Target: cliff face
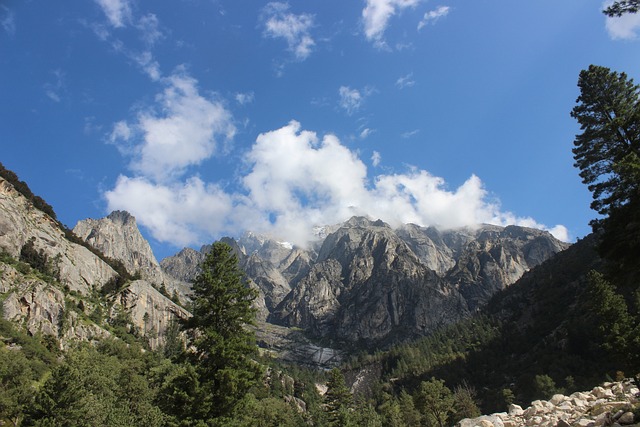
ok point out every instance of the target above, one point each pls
(20, 222)
(118, 237)
(70, 308)
(370, 284)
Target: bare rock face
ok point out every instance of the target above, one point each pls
(183, 265)
(497, 257)
(368, 286)
(150, 311)
(20, 222)
(118, 237)
(41, 307)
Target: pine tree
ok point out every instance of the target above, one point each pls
(608, 112)
(224, 346)
(435, 401)
(338, 399)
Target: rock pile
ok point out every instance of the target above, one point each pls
(612, 404)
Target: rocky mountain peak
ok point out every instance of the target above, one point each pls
(117, 236)
(122, 218)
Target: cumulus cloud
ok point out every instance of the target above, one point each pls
(434, 15)
(182, 130)
(294, 29)
(625, 27)
(180, 213)
(376, 15)
(296, 180)
(118, 12)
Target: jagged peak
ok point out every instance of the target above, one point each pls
(121, 217)
(362, 221)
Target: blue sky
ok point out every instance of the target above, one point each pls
(207, 118)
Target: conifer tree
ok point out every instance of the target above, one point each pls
(338, 399)
(606, 151)
(224, 346)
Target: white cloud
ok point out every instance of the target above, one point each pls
(54, 89)
(376, 158)
(410, 133)
(279, 23)
(433, 16)
(182, 131)
(405, 81)
(149, 65)
(149, 26)
(118, 12)
(244, 98)
(180, 213)
(351, 100)
(7, 20)
(377, 13)
(295, 181)
(625, 27)
(366, 132)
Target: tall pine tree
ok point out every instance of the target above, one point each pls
(224, 346)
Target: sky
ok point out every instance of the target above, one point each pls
(209, 118)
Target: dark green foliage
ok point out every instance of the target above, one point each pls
(338, 399)
(544, 387)
(465, 403)
(435, 402)
(224, 347)
(39, 261)
(96, 388)
(619, 8)
(16, 385)
(608, 112)
(24, 189)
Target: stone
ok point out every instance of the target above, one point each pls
(557, 399)
(626, 418)
(515, 410)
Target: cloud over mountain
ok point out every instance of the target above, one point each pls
(296, 180)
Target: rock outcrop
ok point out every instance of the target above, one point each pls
(118, 237)
(370, 284)
(612, 404)
(79, 268)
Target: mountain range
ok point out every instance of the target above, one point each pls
(362, 284)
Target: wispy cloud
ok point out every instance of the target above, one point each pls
(7, 20)
(625, 27)
(405, 81)
(54, 89)
(351, 100)
(294, 29)
(244, 98)
(366, 132)
(410, 133)
(149, 27)
(376, 15)
(434, 15)
(376, 158)
(118, 12)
